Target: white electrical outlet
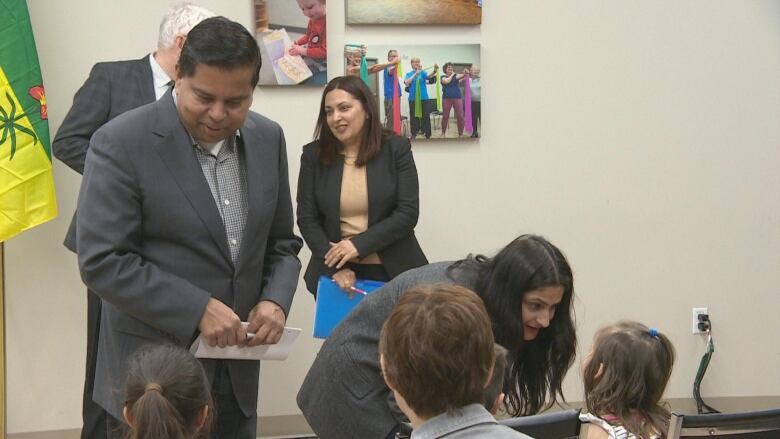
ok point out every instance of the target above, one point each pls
(696, 313)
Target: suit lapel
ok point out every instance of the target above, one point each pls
(260, 176)
(145, 80)
(333, 192)
(372, 182)
(175, 150)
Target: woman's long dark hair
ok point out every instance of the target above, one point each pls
(373, 132)
(166, 390)
(534, 378)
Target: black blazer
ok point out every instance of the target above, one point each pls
(393, 209)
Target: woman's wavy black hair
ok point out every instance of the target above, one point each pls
(537, 368)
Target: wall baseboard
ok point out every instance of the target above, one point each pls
(730, 404)
(268, 427)
(282, 427)
(295, 426)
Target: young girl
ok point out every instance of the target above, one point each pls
(624, 376)
(313, 45)
(167, 395)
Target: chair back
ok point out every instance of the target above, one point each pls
(556, 425)
(764, 424)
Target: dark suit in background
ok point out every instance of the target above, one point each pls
(393, 201)
(111, 89)
(153, 245)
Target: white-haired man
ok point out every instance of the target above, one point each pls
(111, 89)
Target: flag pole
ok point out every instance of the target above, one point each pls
(2, 342)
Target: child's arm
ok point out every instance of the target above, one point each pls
(302, 40)
(316, 52)
(297, 47)
(311, 52)
(297, 50)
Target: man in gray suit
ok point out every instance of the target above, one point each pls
(112, 89)
(185, 224)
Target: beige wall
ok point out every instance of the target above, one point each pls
(641, 137)
(286, 13)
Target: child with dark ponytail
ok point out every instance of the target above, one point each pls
(625, 375)
(167, 395)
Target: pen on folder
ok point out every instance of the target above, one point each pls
(358, 290)
(354, 290)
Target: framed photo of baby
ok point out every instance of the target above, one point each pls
(422, 91)
(293, 41)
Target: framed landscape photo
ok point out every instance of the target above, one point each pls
(414, 11)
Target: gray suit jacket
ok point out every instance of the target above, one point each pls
(344, 395)
(470, 422)
(111, 89)
(153, 246)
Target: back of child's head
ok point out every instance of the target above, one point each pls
(626, 375)
(167, 394)
(494, 392)
(437, 348)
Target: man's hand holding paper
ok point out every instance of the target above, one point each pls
(220, 326)
(266, 321)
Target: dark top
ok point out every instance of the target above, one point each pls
(393, 209)
(451, 90)
(111, 89)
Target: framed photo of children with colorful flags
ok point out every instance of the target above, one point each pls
(423, 91)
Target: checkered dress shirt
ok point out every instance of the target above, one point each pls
(226, 175)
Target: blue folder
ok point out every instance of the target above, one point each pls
(333, 303)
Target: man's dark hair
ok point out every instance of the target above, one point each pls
(219, 42)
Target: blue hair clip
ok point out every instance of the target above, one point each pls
(653, 332)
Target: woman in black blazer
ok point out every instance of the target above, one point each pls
(358, 199)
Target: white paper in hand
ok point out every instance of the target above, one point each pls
(278, 351)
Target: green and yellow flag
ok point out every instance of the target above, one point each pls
(26, 182)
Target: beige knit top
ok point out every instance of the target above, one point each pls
(354, 206)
